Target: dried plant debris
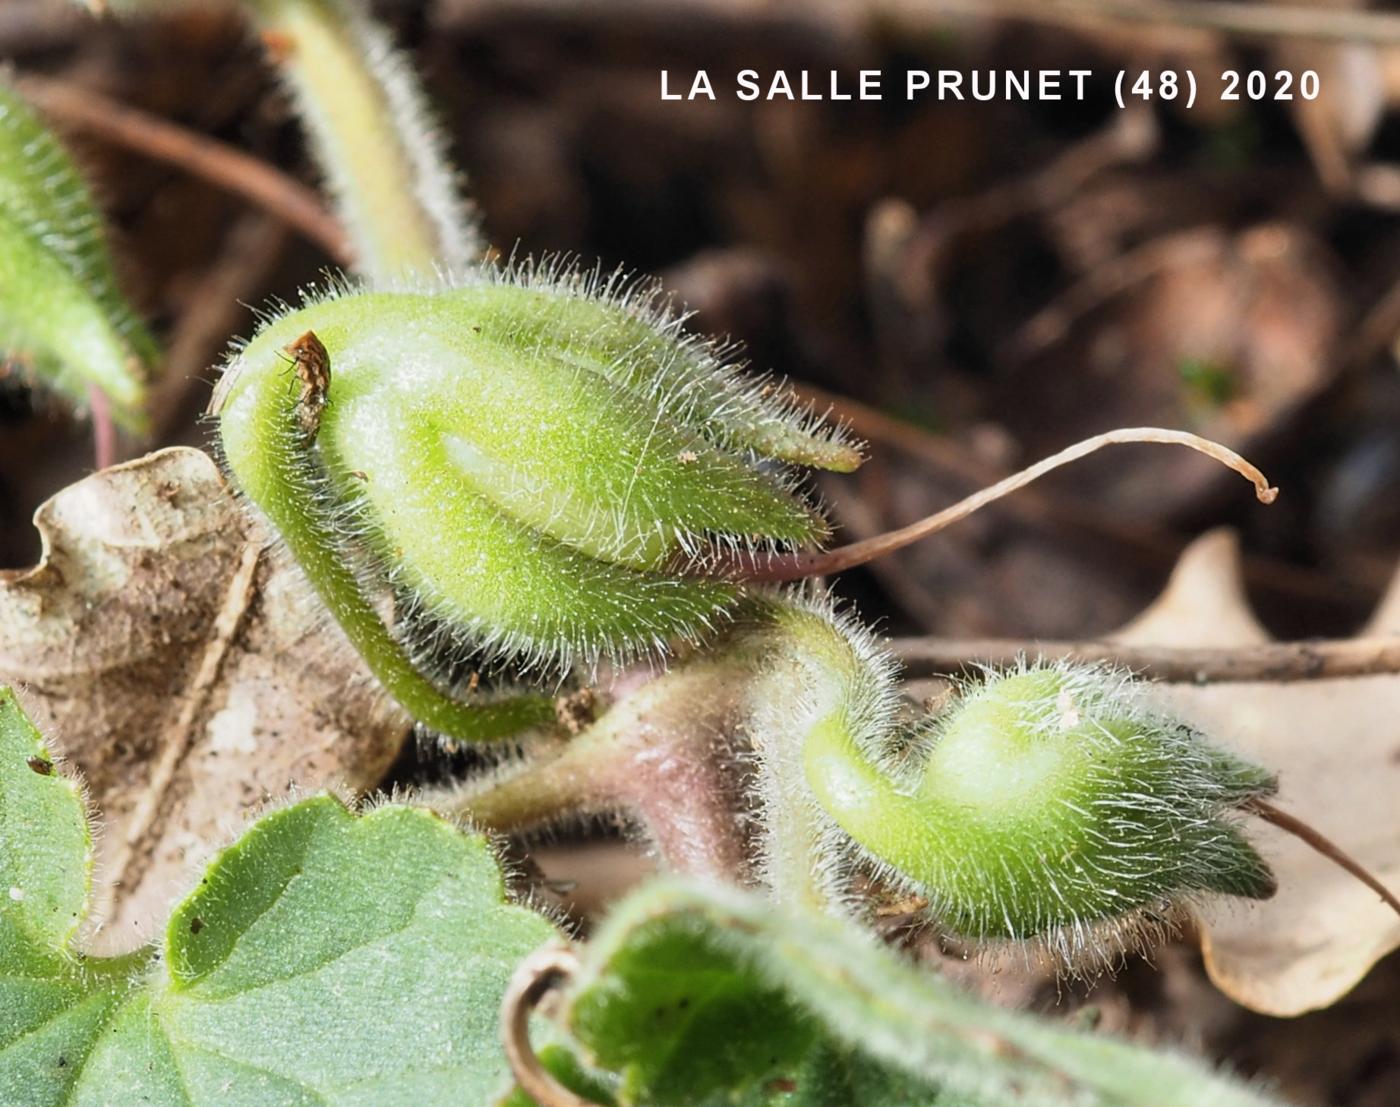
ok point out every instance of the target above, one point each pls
(1335, 746)
(184, 667)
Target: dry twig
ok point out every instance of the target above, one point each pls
(1227, 17)
(537, 975)
(214, 307)
(1331, 23)
(1329, 849)
(772, 568)
(1269, 662)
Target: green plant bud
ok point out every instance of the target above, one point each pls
(528, 464)
(1046, 801)
(644, 348)
(61, 312)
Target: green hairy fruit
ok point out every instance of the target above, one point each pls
(533, 463)
(1043, 802)
(61, 313)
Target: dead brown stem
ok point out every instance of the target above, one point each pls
(773, 568)
(538, 974)
(1272, 662)
(1290, 824)
(221, 165)
(1231, 17)
(1048, 510)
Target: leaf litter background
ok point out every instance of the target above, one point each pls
(1005, 277)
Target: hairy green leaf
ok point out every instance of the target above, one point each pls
(62, 315)
(324, 958)
(696, 995)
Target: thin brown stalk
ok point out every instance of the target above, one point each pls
(763, 568)
(1329, 23)
(223, 166)
(1291, 824)
(1272, 662)
(537, 975)
(216, 306)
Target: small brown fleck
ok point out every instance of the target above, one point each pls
(575, 712)
(41, 765)
(473, 681)
(196, 925)
(360, 475)
(935, 703)
(905, 905)
(313, 366)
(781, 1084)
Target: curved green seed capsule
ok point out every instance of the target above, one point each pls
(513, 492)
(61, 312)
(1045, 802)
(630, 335)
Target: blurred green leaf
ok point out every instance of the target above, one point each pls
(696, 995)
(62, 314)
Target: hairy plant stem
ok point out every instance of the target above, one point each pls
(370, 129)
(663, 754)
(286, 481)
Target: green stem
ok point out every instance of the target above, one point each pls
(373, 135)
(278, 472)
(663, 755)
(860, 798)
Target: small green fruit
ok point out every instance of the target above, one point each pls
(1046, 801)
(532, 463)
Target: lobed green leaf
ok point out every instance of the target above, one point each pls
(324, 958)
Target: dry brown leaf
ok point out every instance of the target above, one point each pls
(1335, 745)
(184, 668)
